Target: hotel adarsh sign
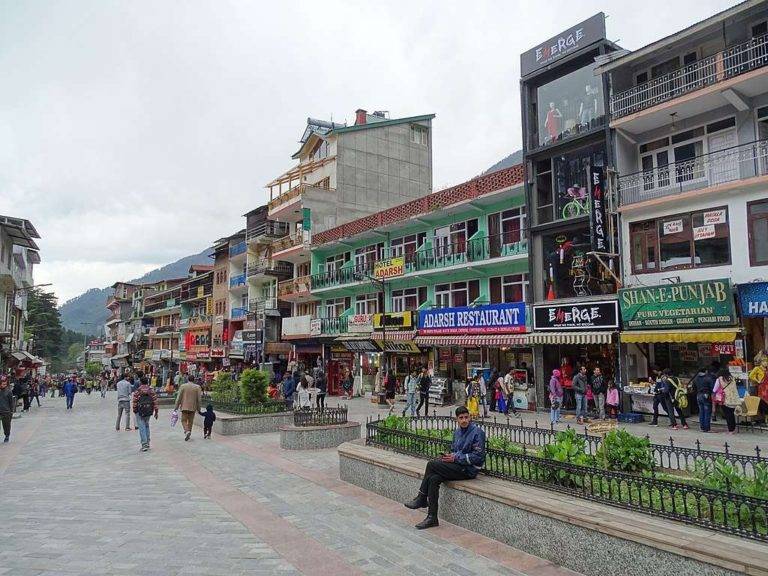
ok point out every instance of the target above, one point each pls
(389, 268)
(688, 305)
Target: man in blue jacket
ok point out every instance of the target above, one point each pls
(465, 460)
(70, 389)
(289, 387)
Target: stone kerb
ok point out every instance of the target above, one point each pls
(588, 537)
(317, 437)
(233, 424)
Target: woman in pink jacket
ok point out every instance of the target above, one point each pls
(555, 396)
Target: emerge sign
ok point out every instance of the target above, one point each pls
(583, 34)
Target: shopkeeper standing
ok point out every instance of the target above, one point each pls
(424, 384)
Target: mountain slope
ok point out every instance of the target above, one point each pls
(89, 306)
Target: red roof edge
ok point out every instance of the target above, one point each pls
(468, 190)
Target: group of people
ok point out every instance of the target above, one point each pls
(603, 392)
(296, 389)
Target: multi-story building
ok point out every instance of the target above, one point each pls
(162, 316)
(573, 232)
(428, 264)
(343, 173)
(230, 296)
(18, 255)
(196, 317)
(689, 115)
(120, 325)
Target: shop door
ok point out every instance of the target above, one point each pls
(723, 163)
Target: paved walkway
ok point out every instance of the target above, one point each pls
(79, 498)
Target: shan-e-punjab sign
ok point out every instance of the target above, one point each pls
(708, 303)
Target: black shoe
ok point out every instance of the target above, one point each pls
(7, 438)
(428, 522)
(419, 502)
(187, 436)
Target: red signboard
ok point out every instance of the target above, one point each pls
(724, 349)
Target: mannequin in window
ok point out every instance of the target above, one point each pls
(588, 107)
(553, 122)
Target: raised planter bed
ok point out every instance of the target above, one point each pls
(582, 535)
(232, 424)
(318, 437)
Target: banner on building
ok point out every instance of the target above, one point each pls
(708, 303)
(599, 229)
(400, 346)
(394, 320)
(360, 323)
(491, 318)
(602, 315)
(753, 299)
(389, 268)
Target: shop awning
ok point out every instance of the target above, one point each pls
(24, 356)
(128, 338)
(701, 335)
(595, 337)
(398, 335)
(474, 340)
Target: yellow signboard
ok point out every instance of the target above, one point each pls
(389, 268)
(401, 346)
(394, 320)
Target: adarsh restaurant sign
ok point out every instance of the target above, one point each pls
(688, 305)
(494, 318)
(583, 34)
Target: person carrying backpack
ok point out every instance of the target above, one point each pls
(144, 406)
(678, 396)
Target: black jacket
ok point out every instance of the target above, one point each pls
(7, 401)
(704, 383)
(598, 385)
(424, 383)
(580, 383)
(209, 418)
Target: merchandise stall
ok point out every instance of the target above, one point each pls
(396, 338)
(567, 336)
(683, 327)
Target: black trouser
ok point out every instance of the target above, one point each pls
(679, 412)
(435, 474)
(423, 400)
(493, 401)
(35, 397)
(511, 404)
(320, 401)
(730, 417)
(25, 399)
(663, 401)
(6, 419)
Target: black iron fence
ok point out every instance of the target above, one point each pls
(236, 407)
(666, 456)
(324, 417)
(722, 510)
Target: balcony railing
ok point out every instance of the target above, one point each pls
(292, 193)
(237, 249)
(154, 307)
(260, 305)
(236, 281)
(200, 321)
(294, 287)
(279, 269)
(166, 329)
(727, 165)
(334, 326)
(267, 231)
(722, 66)
(475, 250)
(291, 241)
(238, 313)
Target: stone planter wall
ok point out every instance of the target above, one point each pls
(232, 424)
(317, 437)
(590, 538)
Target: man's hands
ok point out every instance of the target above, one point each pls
(448, 458)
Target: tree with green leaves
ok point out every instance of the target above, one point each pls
(43, 325)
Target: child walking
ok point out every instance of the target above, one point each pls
(612, 400)
(209, 418)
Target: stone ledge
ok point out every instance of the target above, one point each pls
(232, 424)
(317, 437)
(629, 534)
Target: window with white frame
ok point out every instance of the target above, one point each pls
(408, 299)
(367, 303)
(453, 239)
(334, 263)
(510, 288)
(419, 134)
(507, 226)
(335, 307)
(456, 294)
(366, 256)
(406, 245)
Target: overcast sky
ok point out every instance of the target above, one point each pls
(134, 133)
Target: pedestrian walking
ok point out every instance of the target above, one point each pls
(348, 383)
(189, 399)
(289, 388)
(661, 397)
(492, 385)
(612, 400)
(7, 406)
(555, 396)
(321, 383)
(411, 385)
(144, 407)
(726, 395)
(103, 384)
(70, 389)
(678, 396)
(390, 386)
(23, 393)
(704, 384)
(124, 403)
(465, 460)
(598, 391)
(209, 417)
(34, 392)
(424, 383)
(580, 384)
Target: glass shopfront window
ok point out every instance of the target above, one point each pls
(569, 272)
(562, 187)
(569, 105)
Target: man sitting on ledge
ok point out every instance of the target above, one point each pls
(463, 463)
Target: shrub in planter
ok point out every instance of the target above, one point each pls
(224, 389)
(253, 386)
(623, 451)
